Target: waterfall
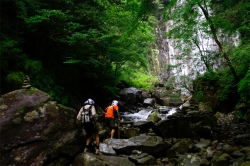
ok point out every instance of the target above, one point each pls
(189, 60)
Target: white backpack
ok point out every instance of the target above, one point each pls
(86, 115)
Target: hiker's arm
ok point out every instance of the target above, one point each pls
(117, 115)
(78, 118)
(94, 114)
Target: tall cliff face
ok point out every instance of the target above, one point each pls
(194, 55)
(165, 56)
(163, 52)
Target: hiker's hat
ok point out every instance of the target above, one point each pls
(114, 102)
(89, 101)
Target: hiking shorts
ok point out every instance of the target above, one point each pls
(90, 128)
(110, 123)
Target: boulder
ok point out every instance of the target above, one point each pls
(36, 130)
(89, 159)
(180, 126)
(145, 143)
(131, 95)
(142, 159)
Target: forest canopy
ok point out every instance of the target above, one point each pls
(72, 49)
(76, 49)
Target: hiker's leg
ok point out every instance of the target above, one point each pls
(88, 140)
(86, 149)
(112, 133)
(112, 126)
(97, 139)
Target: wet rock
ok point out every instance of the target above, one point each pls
(242, 139)
(142, 159)
(136, 152)
(203, 143)
(154, 117)
(28, 138)
(191, 159)
(144, 125)
(131, 132)
(223, 159)
(186, 127)
(26, 83)
(246, 163)
(89, 159)
(145, 143)
(237, 154)
(131, 95)
(227, 149)
(107, 149)
(180, 147)
(149, 102)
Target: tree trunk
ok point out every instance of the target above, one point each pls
(213, 30)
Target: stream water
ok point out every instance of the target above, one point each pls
(143, 114)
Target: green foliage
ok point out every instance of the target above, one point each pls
(138, 79)
(192, 24)
(110, 90)
(58, 94)
(240, 114)
(210, 77)
(15, 78)
(21, 110)
(199, 96)
(30, 92)
(227, 85)
(45, 82)
(11, 55)
(68, 48)
(32, 65)
(219, 85)
(187, 84)
(236, 14)
(241, 59)
(244, 88)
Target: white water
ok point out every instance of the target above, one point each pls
(142, 115)
(139, 116)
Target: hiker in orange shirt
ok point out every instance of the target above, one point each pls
(111, 116)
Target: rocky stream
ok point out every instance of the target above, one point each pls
(36, 130)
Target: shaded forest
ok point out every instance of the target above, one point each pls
(75, 49)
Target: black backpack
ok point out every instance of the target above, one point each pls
(86, 115)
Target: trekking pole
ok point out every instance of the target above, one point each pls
(118, 124)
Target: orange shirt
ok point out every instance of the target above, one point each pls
(110, 111)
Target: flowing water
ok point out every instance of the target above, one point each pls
(143, 114)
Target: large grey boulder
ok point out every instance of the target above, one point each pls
(145, 143)
(186, 126)
(35, 130)
(90, 159)
(142, 159)
(131, 95)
